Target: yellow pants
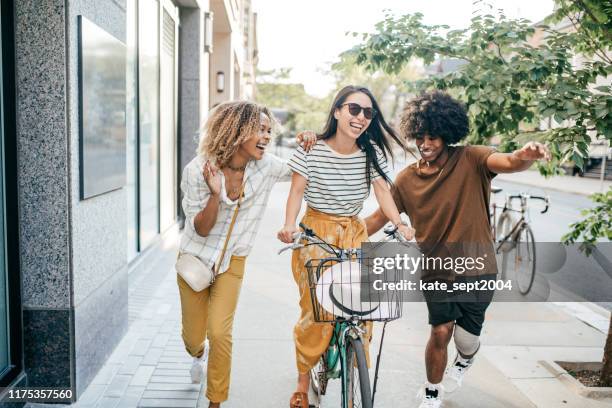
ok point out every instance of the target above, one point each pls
(211, 313)
(311, 338)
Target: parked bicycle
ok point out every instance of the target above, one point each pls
(514, 238)
(335, 284)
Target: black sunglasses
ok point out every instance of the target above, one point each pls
(354, 109)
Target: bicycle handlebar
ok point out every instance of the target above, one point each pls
(533, 197)
(309, 236)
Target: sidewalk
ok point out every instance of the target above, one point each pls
(151, 369)
(568, 184)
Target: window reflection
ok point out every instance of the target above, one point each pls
(149, 120)
(131, 118)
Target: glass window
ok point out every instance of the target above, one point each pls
(4, 317)
(132, 131)
(168, 142)
(148, 24)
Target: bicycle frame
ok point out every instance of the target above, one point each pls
(508, 208)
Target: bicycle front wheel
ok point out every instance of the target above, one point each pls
(356, 391)
(523, 259)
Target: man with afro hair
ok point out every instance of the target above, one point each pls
(446, 196)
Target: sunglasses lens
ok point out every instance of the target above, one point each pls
(368, 113)
(354, 109)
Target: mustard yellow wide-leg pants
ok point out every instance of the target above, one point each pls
(211, 313)
(311, 338)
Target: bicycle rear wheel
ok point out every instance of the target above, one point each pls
(356, 390)
(522, 259)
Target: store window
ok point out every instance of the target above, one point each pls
(152, 32)
(4, 304)
(148, 103)
(132, 131)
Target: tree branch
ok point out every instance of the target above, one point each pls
(591, 41)
(586, 10)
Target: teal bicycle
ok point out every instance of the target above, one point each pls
(331, 280)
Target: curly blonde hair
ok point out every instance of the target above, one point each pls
(229, 125)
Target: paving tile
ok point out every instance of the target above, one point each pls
(150, 394)
(131, 397)
(161, 340)
(106, 374)
(131, 365)
(172, 373)
(140, 347)
(91, 395)
(174, 366)
(174, 387)
(168, 403)
(170, 380)
(108, 402)
(185, 359)
(142, 376)
(172, 353)
(118, 386)
(163, 309)
(152, 357)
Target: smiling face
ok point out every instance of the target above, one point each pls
(348, 124)
(430, 147)
(255, 147)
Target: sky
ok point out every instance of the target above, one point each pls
(308, 35)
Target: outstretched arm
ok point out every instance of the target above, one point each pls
(518, 160)
(294, 203)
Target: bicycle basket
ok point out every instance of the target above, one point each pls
(340, 291)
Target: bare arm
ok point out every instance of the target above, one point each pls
(387, 205)
(385, 200)
(205, 220)
(294, 204)
(375, 221)
(519, 160)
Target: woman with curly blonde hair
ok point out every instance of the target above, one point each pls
(225, 187)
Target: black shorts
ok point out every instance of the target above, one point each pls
(469, 315)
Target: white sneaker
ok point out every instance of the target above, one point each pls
(429, 400)
(453, 376)
(198, 366)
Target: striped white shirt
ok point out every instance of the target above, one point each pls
(336, 182)
(260, 176)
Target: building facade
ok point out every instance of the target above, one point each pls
(66, 259)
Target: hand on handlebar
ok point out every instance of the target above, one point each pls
(406, 232)
(287, 234)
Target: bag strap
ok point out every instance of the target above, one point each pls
(229, 232)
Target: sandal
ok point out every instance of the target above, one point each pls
(299, 400)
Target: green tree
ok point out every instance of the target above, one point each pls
(510, 86)
(275, 91)
(519, 81)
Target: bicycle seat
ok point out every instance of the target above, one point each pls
(496, 190)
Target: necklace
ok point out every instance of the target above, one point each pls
(242, 168)
(440, 170)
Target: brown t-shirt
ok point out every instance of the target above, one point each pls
(450, 208)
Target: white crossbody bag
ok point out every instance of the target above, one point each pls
(193, 271)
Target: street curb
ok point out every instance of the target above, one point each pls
(576, 386)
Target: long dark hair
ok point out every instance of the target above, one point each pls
(378, 131)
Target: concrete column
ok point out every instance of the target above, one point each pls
(73, 253)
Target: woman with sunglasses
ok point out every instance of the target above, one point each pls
(335, 177)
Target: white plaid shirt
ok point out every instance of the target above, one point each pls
(260, 176)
